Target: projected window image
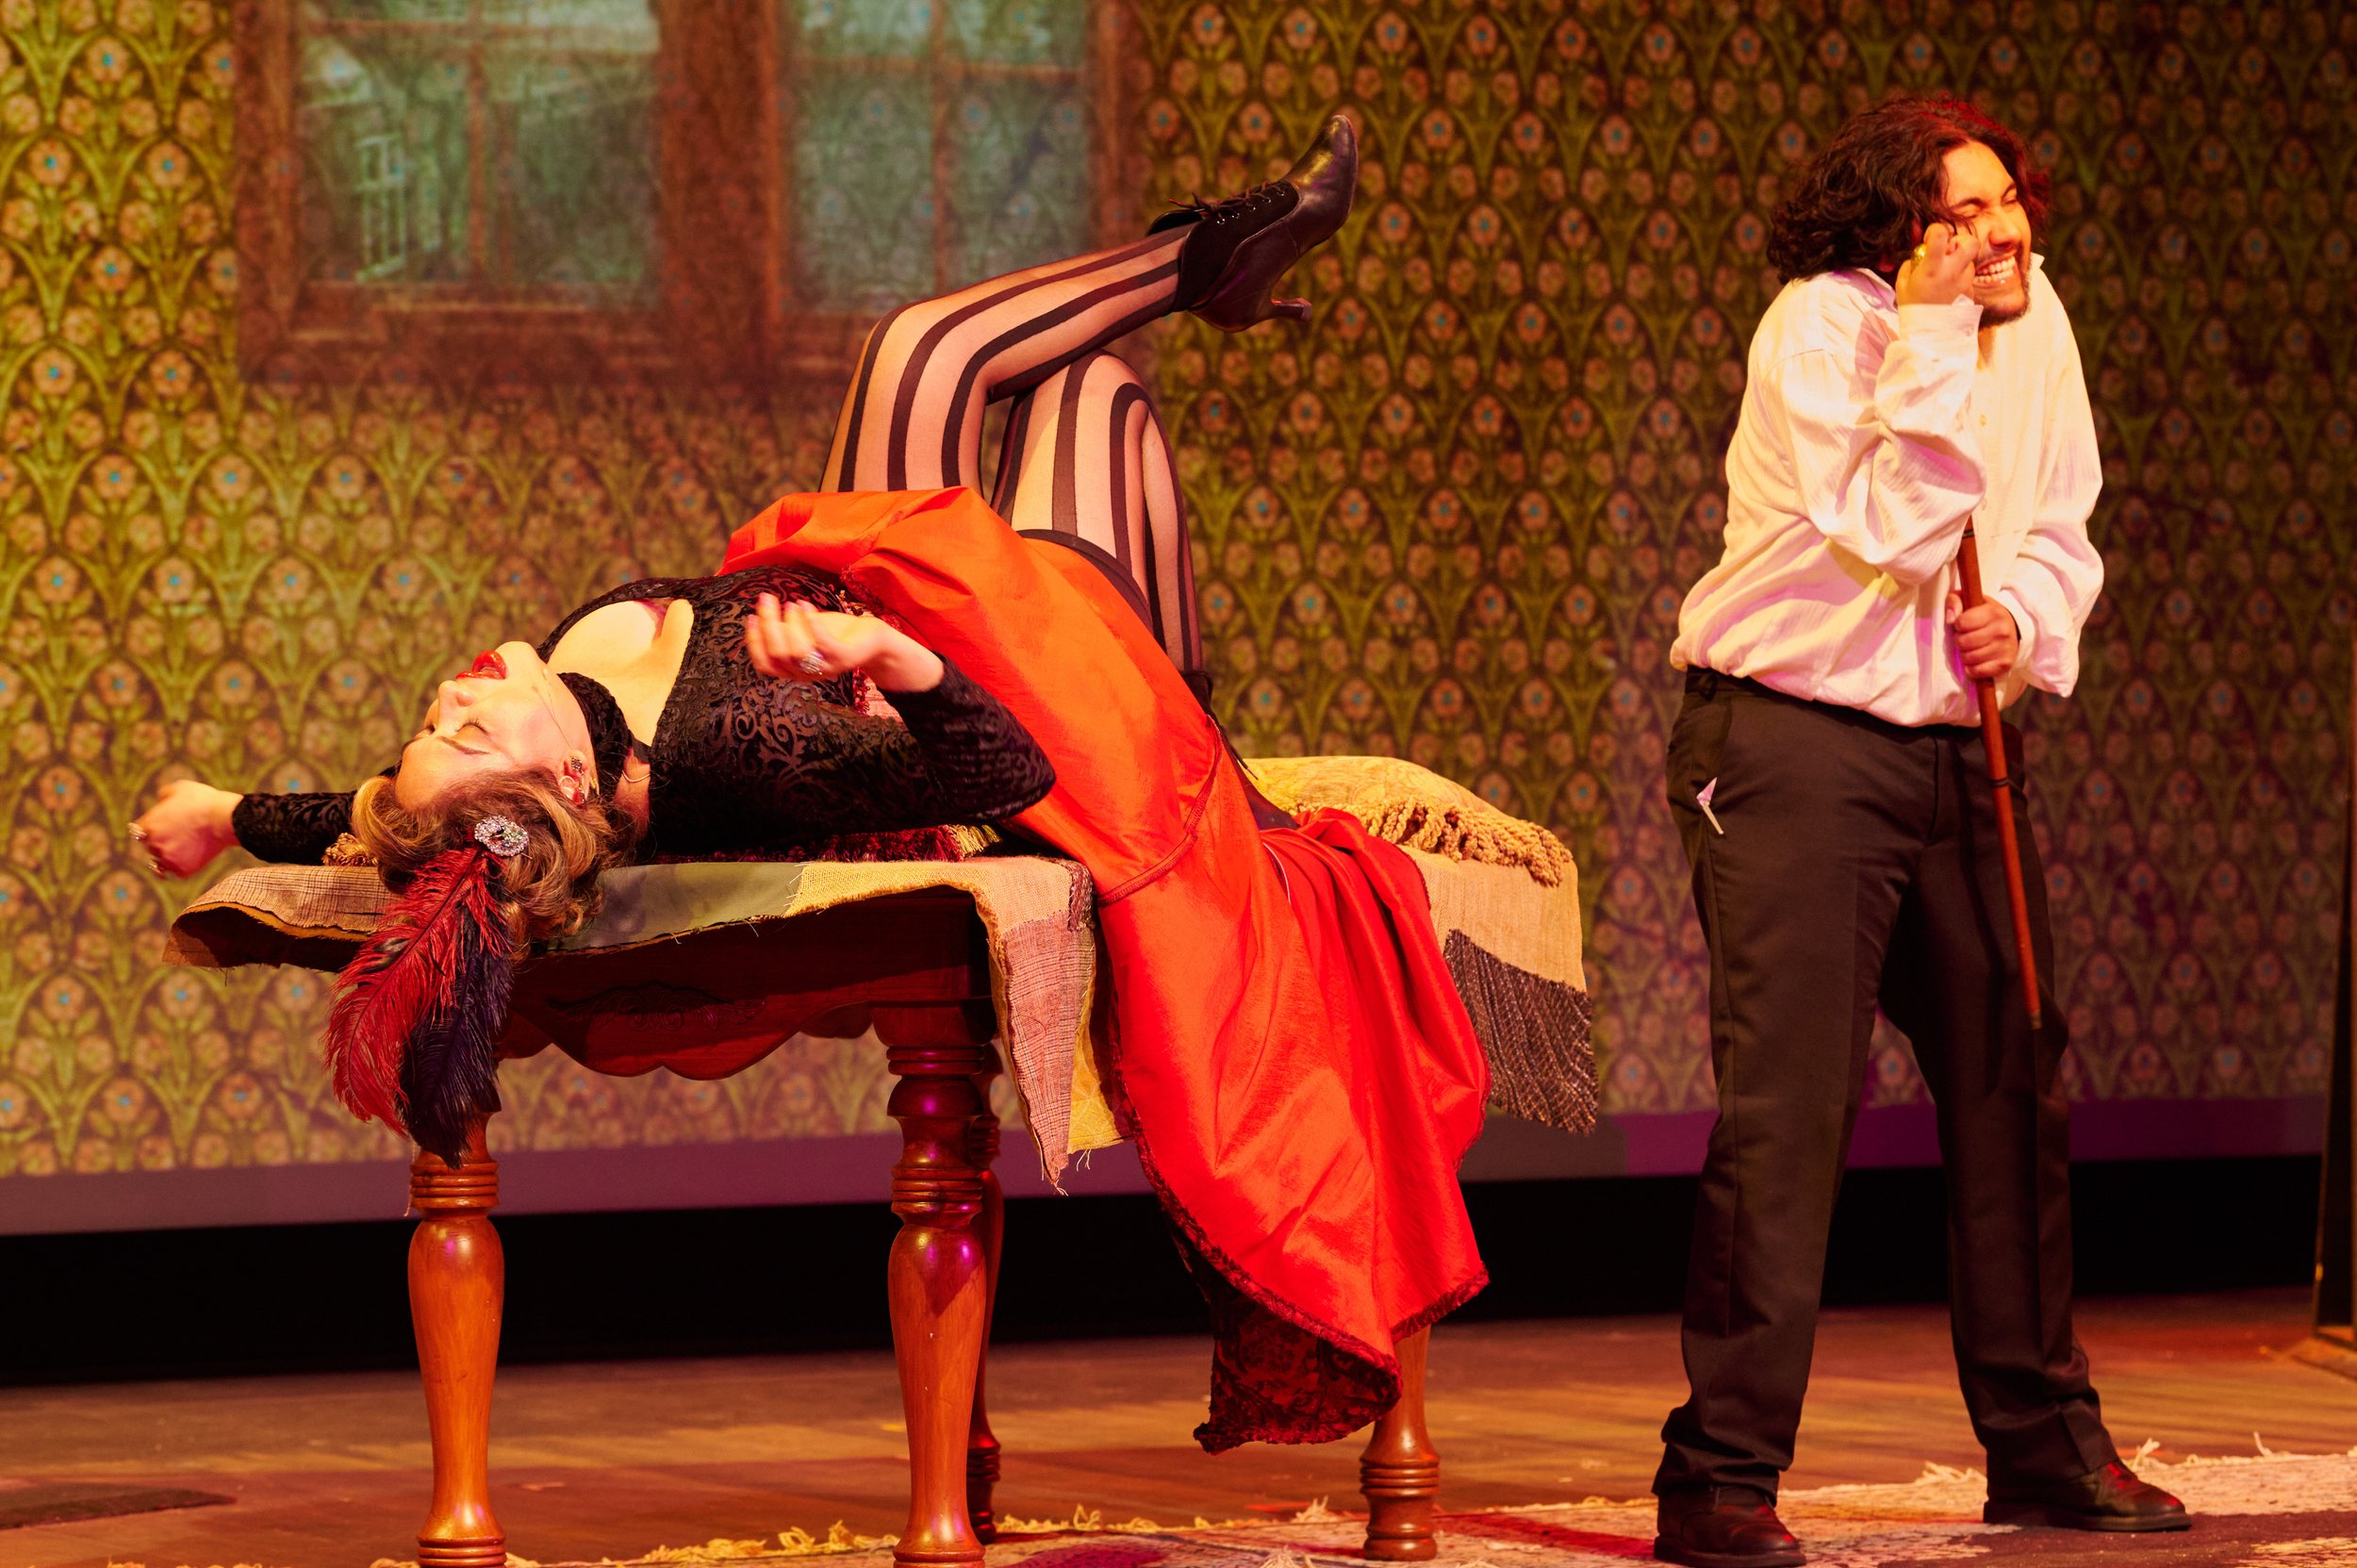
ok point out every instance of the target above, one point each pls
(528, 152)
(934, 142)
(504, 144)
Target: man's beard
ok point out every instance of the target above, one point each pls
(1999, 312)
(1997, 316)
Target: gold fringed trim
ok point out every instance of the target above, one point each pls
(972, 838)
(1416, 809)
(1487, 836)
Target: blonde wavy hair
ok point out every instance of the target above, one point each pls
(547, 891)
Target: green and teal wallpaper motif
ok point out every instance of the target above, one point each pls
(1452, 520)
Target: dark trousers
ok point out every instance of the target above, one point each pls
(1858, 864)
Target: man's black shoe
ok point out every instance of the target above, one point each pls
(2111, 1499)
(1723, 1528)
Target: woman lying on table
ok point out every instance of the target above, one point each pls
(1299, 1073)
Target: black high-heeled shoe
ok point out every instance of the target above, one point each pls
(1242, 246)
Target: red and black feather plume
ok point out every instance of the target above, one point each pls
(413, 1038)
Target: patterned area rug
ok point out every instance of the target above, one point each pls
(2270, 1510)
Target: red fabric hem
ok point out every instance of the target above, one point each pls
(1217, 1437)
(1317, 980)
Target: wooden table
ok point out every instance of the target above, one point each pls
(916, 967)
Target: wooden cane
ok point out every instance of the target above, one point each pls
(1994, 742)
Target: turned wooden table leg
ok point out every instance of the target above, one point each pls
(1399, 1474)
(938, 1279)
(457, 1284)
(981, 1445)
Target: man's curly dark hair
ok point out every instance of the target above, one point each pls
(1858, 201)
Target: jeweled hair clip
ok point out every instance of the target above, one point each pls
(501, 836)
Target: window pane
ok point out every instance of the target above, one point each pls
(885, 213)
(1021, 188)
(577, 187)
(627, 25)
(1020, 32)
(864, 205)
(562, 90)
(386, 11)
(631, 18)
(384, 128)
(889, 29)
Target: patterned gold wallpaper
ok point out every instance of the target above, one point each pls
(1453, 519)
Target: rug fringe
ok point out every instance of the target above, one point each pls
(1085, 1520)
(2278, 1485)
(795, 1542)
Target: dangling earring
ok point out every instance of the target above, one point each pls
(573, 783)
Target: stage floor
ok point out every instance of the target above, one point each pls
(616, 1459)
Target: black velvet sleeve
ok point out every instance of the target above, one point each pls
(977, 758)
(778, 766)
(294, 829)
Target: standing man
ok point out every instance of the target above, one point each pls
(1916, 373)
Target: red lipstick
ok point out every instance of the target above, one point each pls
(489, 664)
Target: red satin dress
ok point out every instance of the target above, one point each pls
(1299, 1075)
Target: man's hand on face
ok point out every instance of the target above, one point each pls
(1941, 269)
(1986, 635)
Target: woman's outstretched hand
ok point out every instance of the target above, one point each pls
(186, 828)
(798, 642)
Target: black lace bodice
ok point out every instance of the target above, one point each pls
(744, 763)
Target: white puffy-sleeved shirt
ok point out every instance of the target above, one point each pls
(1870, 435)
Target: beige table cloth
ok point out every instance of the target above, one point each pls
(1507, 923)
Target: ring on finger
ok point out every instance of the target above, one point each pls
(813, 663)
